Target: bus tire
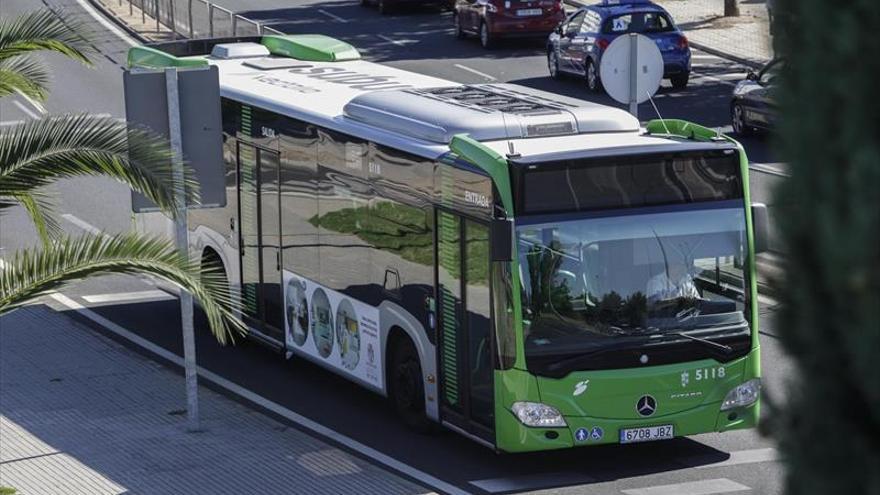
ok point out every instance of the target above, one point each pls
(406, 387)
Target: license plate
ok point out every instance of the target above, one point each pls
(528, 12)
(646, 434)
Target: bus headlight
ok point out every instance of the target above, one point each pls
(744, 394)
(536, 414)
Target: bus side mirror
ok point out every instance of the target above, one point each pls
(761, 226)
(501, 239)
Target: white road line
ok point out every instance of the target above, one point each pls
(703, 487)
(532, 482)
(83, 224)
(107, 24)
(275, 408)
(396, 42)
(746, 457)
(7, 123)
(333, 16)
(27, 111)
(2, 264)
(718, 79)
(766, 301)
(128, 296)
(475, 71)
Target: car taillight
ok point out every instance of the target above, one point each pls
(682, 42)
(602, 43)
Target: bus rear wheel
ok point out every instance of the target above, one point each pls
(406, 387)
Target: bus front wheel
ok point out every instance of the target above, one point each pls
(406, 387)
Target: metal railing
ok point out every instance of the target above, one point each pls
(196, 19)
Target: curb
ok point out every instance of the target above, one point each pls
(119, 22)
(733, 58)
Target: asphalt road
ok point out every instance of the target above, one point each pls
(419, 41)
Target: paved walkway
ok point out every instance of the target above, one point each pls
(745, 38)
(82, 415)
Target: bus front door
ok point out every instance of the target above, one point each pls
(259, 225)
(466, 361)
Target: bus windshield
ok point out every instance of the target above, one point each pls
(636, 274)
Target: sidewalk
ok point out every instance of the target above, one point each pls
(82, 415)
(744, 39)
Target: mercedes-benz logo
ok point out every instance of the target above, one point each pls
(646, 405)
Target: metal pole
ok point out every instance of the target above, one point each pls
(633, 74)
(186, 301)
(234, 23)
(189, 15)
(130, 8)
(173, 25)
(143, 14)
(156, 11)
(210, 19)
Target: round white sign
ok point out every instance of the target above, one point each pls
(617, 63)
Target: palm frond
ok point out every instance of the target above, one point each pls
(44, 30)
(26, 76)
(33, 273)
(42, 214)
(38, 152)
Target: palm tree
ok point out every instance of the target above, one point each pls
(36, 153)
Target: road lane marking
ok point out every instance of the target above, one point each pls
(2, 264)
(106, 23)
(732, 82)
(365, 451)
(333, 16)
(703, 487)
(128, 296)
(475, 71)
(532, 482)
(745, 457)
(402, 43)
(27, 111)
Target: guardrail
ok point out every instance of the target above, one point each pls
(196, 19)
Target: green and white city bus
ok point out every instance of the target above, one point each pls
(532, 271)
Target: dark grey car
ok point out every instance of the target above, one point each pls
(753, 106)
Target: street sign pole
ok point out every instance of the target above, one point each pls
(182, 242)
(633, 74)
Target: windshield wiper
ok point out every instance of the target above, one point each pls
(726, 348)
(571, 361)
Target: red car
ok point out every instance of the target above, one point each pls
(494, 19)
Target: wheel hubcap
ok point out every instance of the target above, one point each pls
(591, 75)
(737, 119)
(551, 62)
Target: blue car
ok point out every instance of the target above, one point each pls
(577, 44)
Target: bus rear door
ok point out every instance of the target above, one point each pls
(259, 225)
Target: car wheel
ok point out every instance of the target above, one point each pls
(406, 387)
(680, 81)
(738, 120)
(486, 38)
(594, 83)
(456, 22)
(553, 64)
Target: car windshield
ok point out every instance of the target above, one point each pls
(638, 22)
(599, 281)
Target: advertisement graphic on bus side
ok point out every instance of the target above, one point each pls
(331, 326)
